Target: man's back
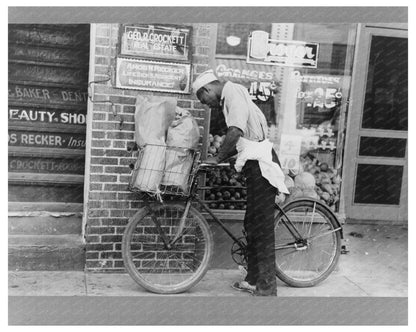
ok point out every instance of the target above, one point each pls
(241, 112)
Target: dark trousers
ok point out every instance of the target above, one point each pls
(259, 227)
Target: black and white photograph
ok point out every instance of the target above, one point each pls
(208, 165)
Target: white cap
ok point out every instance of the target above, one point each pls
(203, 79)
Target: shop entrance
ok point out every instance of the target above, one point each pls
(375, 181)
(47, 107)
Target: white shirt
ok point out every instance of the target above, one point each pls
(240, 111)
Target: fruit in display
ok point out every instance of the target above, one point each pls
(314, 179)
(304, 180)
(327, 181)
(228, 186)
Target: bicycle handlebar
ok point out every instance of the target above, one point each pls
(214, 165)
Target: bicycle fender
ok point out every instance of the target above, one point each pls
(323, 205)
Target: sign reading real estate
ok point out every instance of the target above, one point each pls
(288, 53)
(153, 76)
(156, 41)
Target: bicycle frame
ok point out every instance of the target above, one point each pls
(193, 197)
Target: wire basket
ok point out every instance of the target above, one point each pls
(161, 169)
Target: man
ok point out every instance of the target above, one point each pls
(245, 121)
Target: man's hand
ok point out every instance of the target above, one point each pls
(232, 163)
(211, 160)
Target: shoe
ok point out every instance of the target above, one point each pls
(244, 286)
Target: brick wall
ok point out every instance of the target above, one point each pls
(109, 203)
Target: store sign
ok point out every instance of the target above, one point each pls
(289, 53)
(322, 92)
(259, 81)
(45, 165)
(46, 95)
(36, 114)
(243, 73)
(156, 41)
(48, 140)
(289, 151)
(318, 96)
(153, 76)
(31, 72)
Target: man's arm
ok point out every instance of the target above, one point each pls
(228, 147)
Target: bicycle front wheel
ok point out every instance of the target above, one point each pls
(155, 260)
(307, 248)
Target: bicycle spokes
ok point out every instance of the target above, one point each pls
(166, 249)
(307, 243)
(239, 251)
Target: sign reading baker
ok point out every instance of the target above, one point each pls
(287, 53)
(156, 41)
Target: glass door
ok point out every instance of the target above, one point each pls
(375, 181)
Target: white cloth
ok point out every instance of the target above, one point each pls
(261, 151)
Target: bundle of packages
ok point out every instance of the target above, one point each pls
(152, 119)
(182, 139)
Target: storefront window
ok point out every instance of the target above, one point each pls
(312, 111)
(299, 75)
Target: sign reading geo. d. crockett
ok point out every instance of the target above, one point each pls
(287, 53)
(156, 41)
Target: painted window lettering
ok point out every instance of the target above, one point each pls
(12, 138)
(43, 165)
(76, 142)
(74, 96)
(320, 97)
(298, 51)
(45, 116)
(35, 93)
(260, 91)
(224, 71)
(73, 118)
(31, 115)
(41, 139)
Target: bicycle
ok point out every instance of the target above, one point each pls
(167, 245)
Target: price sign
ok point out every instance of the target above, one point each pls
(289, 151)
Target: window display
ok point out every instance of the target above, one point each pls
(305, 105)
(312, 112)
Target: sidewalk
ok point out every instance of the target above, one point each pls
(375, 266)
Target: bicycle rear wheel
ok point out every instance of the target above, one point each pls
(307, 261)
(155, 265)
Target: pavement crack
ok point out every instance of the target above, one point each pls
(355, 284)
(85, 284)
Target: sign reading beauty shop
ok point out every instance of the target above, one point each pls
(289, 53)
(156, 41)
(153, 76)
